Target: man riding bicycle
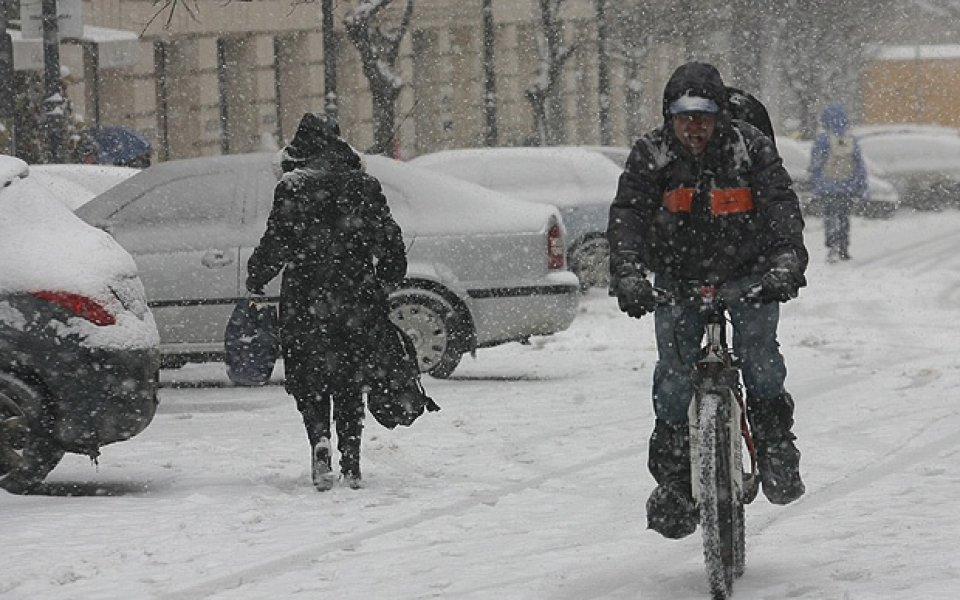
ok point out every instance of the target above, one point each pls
(705, 198)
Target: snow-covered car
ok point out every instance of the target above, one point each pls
(579, 182)
(884, 198)
(923, 165)
(482, 269)
(74, 185)
(617, 154)
(79, 349)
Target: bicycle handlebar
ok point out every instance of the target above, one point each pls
(694, 291)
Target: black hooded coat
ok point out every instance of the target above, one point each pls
(331, 233)
(715, 217)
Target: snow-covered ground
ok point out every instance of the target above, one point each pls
(530, 483)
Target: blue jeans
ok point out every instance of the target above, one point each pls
(836, 222)
(679, 331)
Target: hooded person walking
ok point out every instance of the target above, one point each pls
(838, 177)
(331, 233)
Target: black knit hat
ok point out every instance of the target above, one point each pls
(315, 129)
(317, 135)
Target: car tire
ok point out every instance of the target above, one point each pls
(432, 323)
(27, 453)
(590, 262)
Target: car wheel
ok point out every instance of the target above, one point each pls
(590, 261)
(432, 323)
(27, 454)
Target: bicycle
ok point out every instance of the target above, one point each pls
(718, 433)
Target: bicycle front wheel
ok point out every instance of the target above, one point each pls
(721, 510)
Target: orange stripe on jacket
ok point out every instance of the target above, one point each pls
(722, 201)
(678, 200)
(731, 200)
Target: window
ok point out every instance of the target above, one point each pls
(197, 199)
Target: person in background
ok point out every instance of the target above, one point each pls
(706, 198)
(838, 178)
(331, 233)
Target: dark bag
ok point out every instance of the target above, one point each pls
(744, 106)
(396, 395)
(251, 343)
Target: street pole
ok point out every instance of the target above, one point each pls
(53, 100)
(603, 74)
(6, 83)
(489, 75)
(330, 100)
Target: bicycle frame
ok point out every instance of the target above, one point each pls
(717, 372)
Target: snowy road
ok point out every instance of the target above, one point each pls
(530, 483)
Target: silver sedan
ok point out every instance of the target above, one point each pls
(481, 273)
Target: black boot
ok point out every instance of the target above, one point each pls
(671, 511)
(315, 411)
(320, 470)
(771, 422)
(349, 421)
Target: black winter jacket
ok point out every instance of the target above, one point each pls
(331, 232)
(714, 218)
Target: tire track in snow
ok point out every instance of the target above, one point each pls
(908, 255)
(858, 478)
(308, 555)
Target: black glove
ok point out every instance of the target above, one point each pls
(784, 280)
(634, 292)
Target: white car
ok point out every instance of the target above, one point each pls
(482, 269)
(581, 183)
(884, 198)
(74, 185)
(924, 164)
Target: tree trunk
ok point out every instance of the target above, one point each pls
(603, 74)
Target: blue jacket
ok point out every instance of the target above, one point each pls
(835, 123)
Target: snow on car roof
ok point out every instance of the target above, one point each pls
(75, 185)
(449, 205)
(567, 175)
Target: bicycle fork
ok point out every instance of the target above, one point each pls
(716, 378)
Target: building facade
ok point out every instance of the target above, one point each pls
(236, 77)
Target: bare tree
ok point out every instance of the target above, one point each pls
(603, 72)
(544, 93)
(636, 28)
(822, 45)
(747, 41)
(379, 47)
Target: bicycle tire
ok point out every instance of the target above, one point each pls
(721, 512)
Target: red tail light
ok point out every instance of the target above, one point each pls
(79, 305)
(556, 253)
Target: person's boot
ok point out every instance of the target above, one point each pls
(349, 431)
(671, 511)
(320, 470)
(771, 422)
(833, 255)
(315, 411)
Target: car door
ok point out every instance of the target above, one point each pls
(255, 213)
(185, 234)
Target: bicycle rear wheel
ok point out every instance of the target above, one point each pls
(721, 509)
